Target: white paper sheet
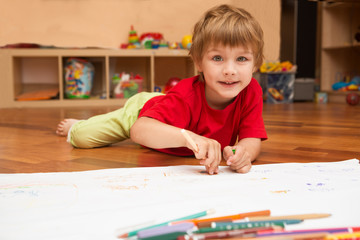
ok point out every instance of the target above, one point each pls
(98, 204)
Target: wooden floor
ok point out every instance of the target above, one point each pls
(299, 132)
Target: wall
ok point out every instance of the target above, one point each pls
(106, 23)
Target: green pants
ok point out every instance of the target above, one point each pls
(112, 127)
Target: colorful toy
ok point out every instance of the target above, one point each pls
(276, 94)
(151, 40)
(157, 89)
(174, 45)
(352, 85)
(186, 41)
(171, 83)
(321, 97)
(278, 87)
(352, 99)
(79, 75)
(133, 39)
(126, 85)
(285, 66)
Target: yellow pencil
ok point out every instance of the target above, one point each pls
(190, 140)
(341, 236)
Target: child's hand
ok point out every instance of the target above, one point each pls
(240, 161)
(208, 151)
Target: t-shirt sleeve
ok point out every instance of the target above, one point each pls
(171, 109)
(252, 123)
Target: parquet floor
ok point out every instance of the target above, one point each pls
(299, 132)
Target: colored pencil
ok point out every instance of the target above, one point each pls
(226, 234)
(299, 216)
(157, 231)
(344, 236)
(167, 236)
(190, 140)
(260, 223)
(299, 236)
(327, 230)
(245, 225)
(189, 217)
(207, 221)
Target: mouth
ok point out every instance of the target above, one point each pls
(228, 83)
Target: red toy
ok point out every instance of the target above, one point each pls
(352, 99)
(171, 83)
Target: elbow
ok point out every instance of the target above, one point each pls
(134, 132)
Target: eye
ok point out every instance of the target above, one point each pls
(241, 59)
(217, 58)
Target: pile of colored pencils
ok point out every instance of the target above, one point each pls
(252, 225)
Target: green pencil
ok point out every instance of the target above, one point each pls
(242, 225)
(284, 221)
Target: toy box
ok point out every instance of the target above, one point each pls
(278, 87)
(79, 76)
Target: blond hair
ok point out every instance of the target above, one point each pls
(228, 26)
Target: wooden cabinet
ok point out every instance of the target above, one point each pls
(340, 51)
(29, 70)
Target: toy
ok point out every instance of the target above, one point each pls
(126, 85)
(174, 45)
(276, 94)
(354, 84)
(171, 83)
(186, 41)
(285, 66)
(157, 89)
(352, 99)
(321, 97)
(79, 75)
(147, 40)
(133, 39)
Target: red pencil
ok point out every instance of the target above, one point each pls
(327, 230)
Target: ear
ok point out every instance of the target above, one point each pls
(198, 66)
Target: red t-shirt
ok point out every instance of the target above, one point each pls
(185, 106)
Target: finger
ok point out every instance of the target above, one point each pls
(244, 169)
(241, 163)
(215, 158)
(227, 152)
(236, 155)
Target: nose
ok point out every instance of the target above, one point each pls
(229, 69)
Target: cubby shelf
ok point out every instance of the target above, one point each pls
(26, 70)
(340, 52)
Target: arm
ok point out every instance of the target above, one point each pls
(155, 134)
(152, 133)
(246, 151)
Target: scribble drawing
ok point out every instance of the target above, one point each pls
(319, 187)
(38, 195)
(280, 191)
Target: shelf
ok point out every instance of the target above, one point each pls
(339, 96)
(42, 70)
(340, 52)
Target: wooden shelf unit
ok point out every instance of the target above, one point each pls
(26, 70)
(340, 52)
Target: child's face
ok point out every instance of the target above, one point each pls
(227, 71)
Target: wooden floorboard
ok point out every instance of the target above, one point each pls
(299, 132)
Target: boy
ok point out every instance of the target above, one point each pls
(221, 105)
